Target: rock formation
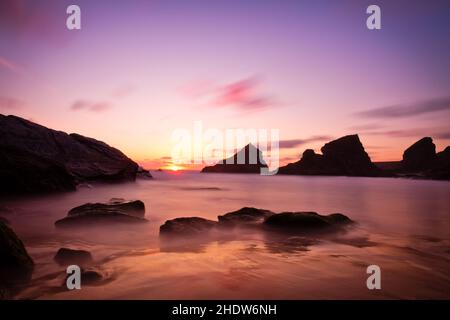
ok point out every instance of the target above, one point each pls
(285, 222)
(190, 226)
(34, 159)
(342, 157)
(114, 212)
(248, 160)
(66, 256)
(16, 266)
(244, 216)
(420, 156)
(421, 160)
(300, 222)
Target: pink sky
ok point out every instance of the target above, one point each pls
(135, 72)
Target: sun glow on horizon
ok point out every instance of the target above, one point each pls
(174, 168)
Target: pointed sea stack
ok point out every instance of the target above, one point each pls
(248, 160)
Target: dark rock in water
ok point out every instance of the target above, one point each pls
(116, 205)
(420, 156)
(98, 219)
(16, 266)
(286, 222)
(421, 161)
(192, 226)
(311, 163)
(143, 174)
(348, 157)
(306, 221)
(342, 157)
(116, 212)
(66, 256)
(91, 276)
(248, 160)
(441, 166)
(35, 159)
(244, 217)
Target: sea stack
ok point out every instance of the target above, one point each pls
(248, 160)
(342, 157)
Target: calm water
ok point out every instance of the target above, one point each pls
(403, 226)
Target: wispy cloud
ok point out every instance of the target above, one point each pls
(366, 127)
(243, 95)
(401, 111)
(443, 135)
(289, 144)
(123, 91)
(438, 133)
(90, 106)
(9, 65)
(10, 103)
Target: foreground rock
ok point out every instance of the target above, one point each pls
(192, 226)
(35, 159)
(306, 221)
(244, 217)
(93, 276)
(342, 157)
(66, 256)
(134, 208)
(297, 222)
(16, 266)
(116, 211)
(248, 160)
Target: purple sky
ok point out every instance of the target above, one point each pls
(137, 70)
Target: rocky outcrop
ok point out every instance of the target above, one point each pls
(16, 266)
(342, 157)
(244, 217)
(285, 222)
(420, 160)
(420, 156)
(134, 208)
(248, 160)
(191, 226)
(114, 212)
(441, 166)
(300, 222)
(34, 159)
(66, 256)
(93, 276)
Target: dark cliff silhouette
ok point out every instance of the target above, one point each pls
(248, 160)
(34, 159)
(342, 157)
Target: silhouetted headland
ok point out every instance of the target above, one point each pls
(35, 159)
